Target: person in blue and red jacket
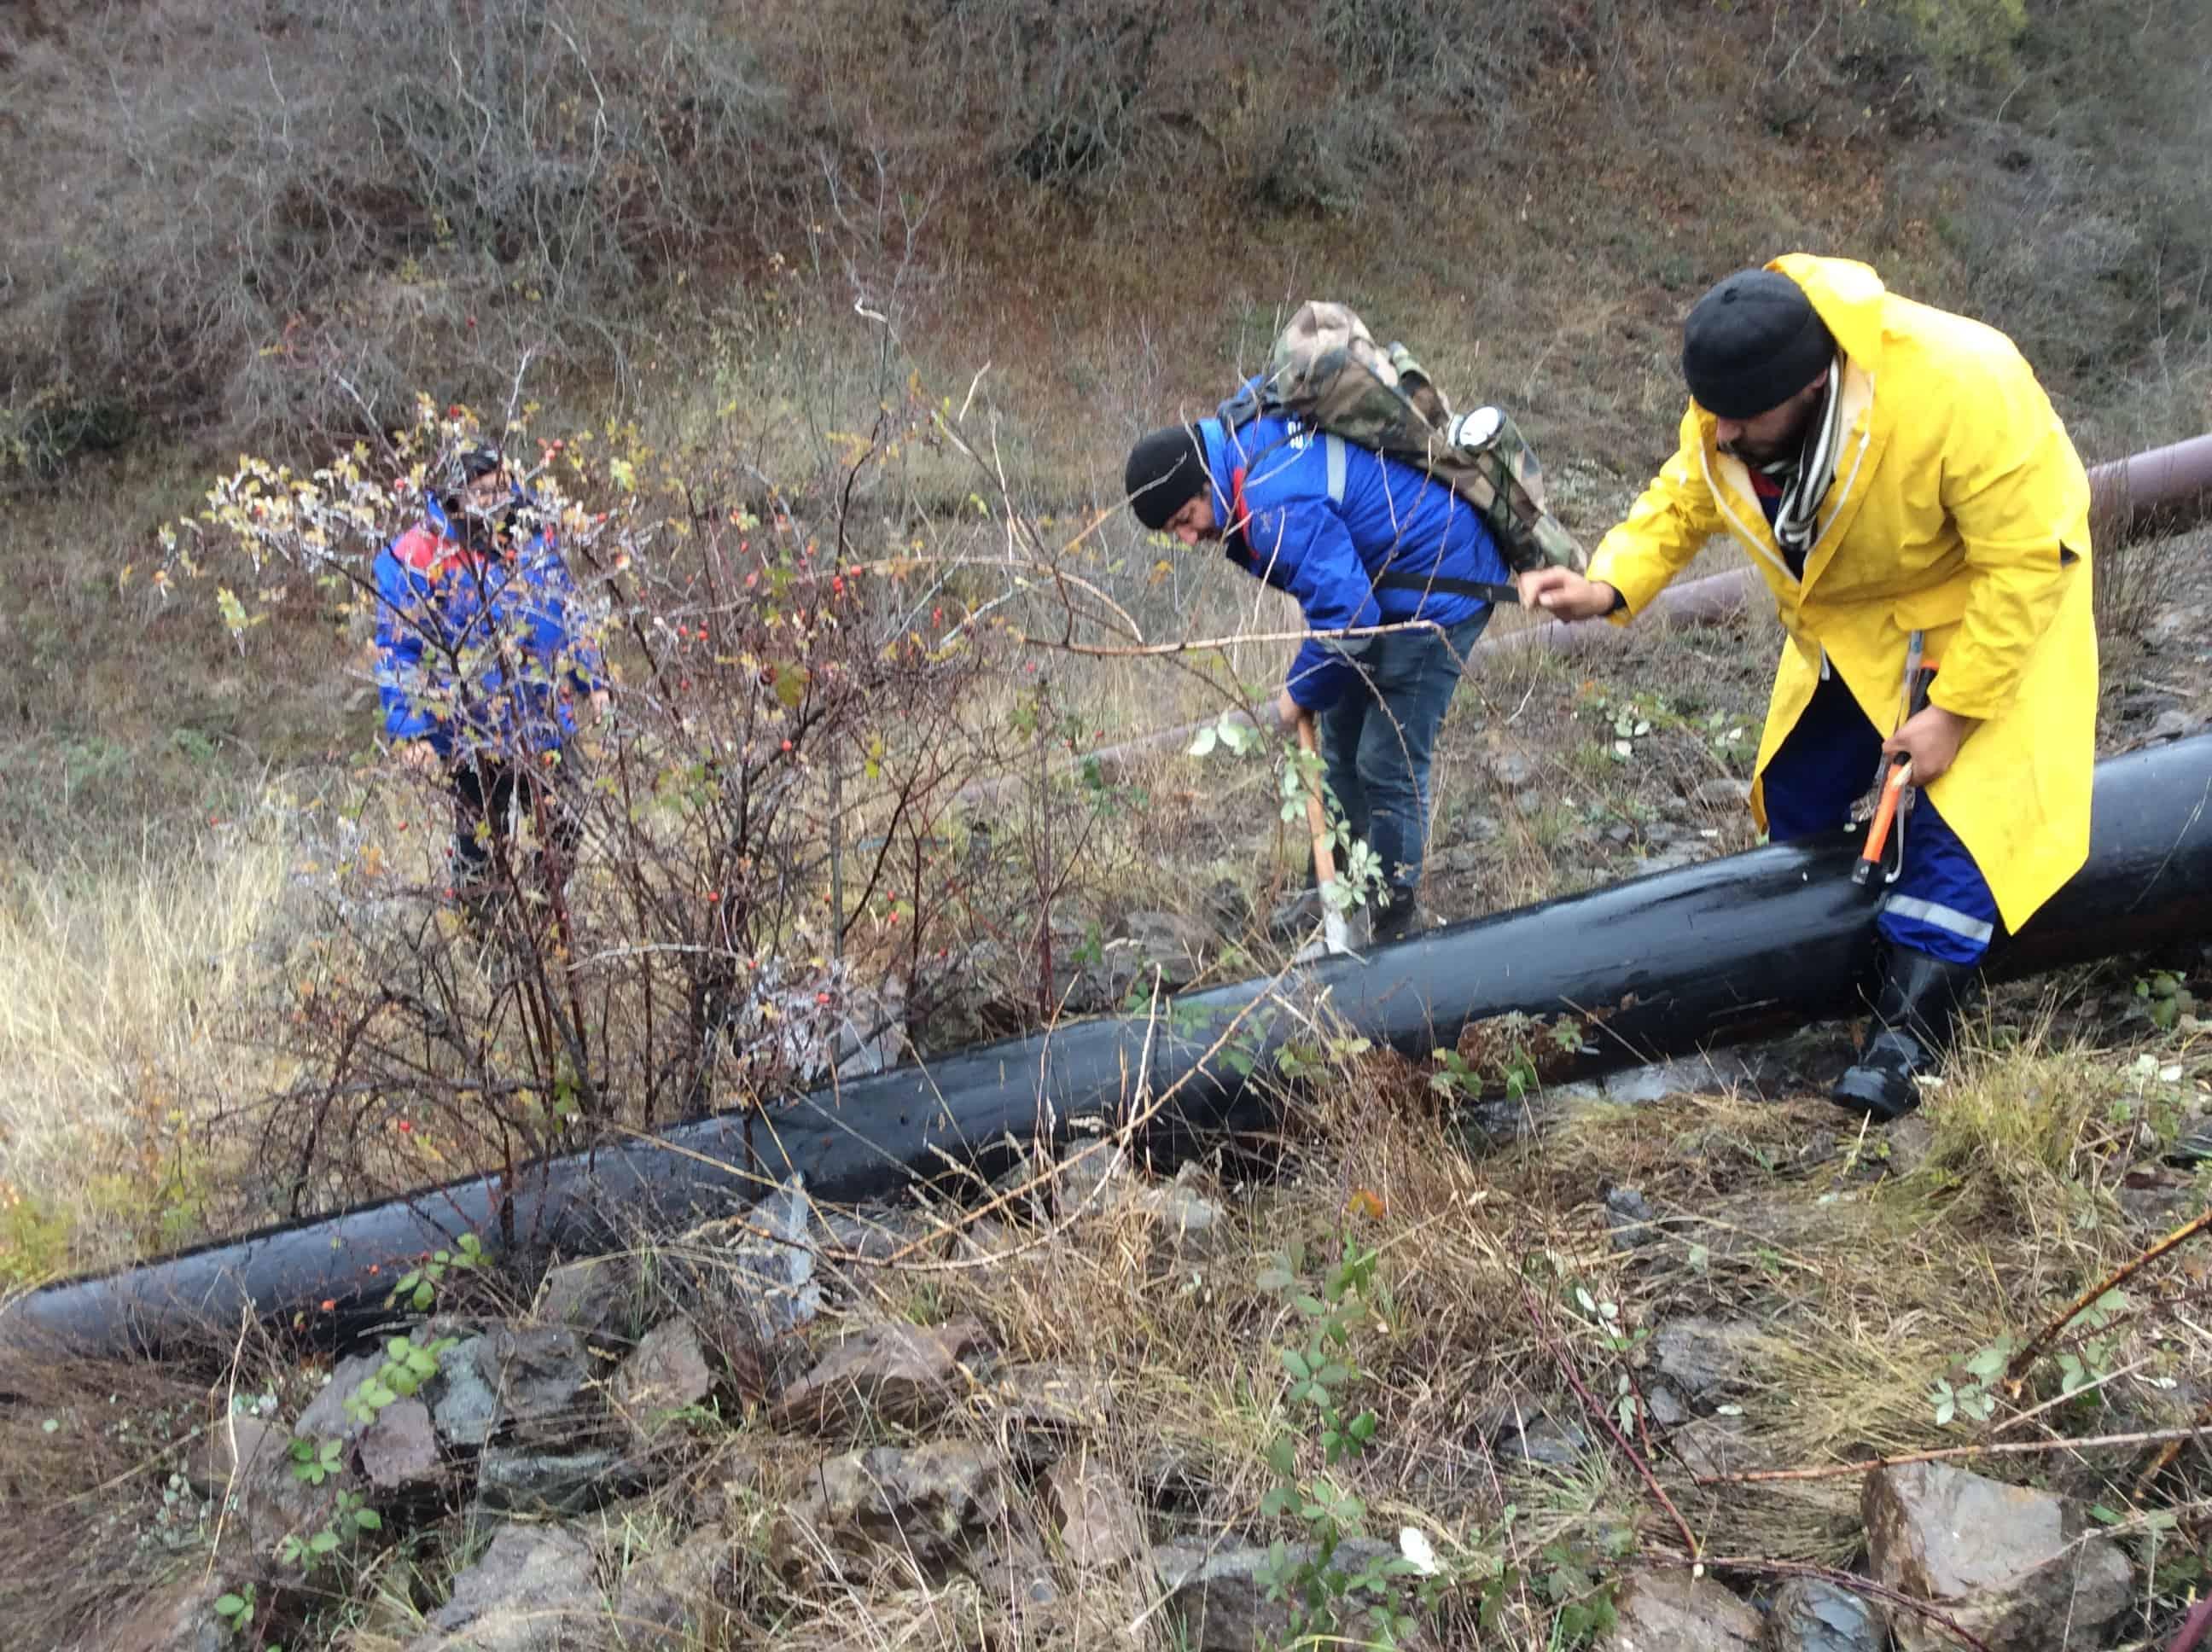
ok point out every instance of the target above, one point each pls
(1361, 541)
(484, 647)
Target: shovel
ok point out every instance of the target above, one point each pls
(1335, 937)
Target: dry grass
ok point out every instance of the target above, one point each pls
(125, 987)
(1860, 1270)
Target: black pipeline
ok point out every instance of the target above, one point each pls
(1663, 965)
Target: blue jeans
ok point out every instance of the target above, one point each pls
(1377, 741)
(1941, 903)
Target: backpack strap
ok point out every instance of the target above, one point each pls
(1480, 590)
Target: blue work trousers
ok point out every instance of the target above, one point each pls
(1377, 741)
(1941, 903)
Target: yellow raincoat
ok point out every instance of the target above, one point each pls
(1960, 508)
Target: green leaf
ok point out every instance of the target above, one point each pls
(1989, 1360)
(368, 1520)
(423, 1297)
(322, 1542)
(2109, 1516)
(1203, 745)
(228, 1606)
(1297, 1364)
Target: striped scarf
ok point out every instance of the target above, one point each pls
(1805, 479)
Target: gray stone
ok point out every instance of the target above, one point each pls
(1630, 1218)
(325, 1417)
(232, 1450)
(513, 1479)
(1175, 945)
(1706, 1358)
(593, 1296)
(1673, 1612)
(769, 1284)
(667, 1372)
(2011, 1564)
(1033, 1412)
(905, 1373)
(1530, 802)
(537, 1375)
(1459, 859)
(1180, 1211)
(534, 1591)
(876, 1233)
(1539, 1438)
(1092, 1174)
(1663, 1406)
(1099, 1522)
(1673, 859)
(677, 1599)
(1014, 1572)
(1621, 832)
(1725, 791)
(1217, 1596)
(400, 1449)
(1696, 1075)
(2170, 726)
(1481, 828)
(462, 1407)
(1511, 770)
(1714, 1445)
(1810, 1614)
(928, 1501)
(179, 1619)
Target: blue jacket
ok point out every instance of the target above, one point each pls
(1327, 544)
(447, 624)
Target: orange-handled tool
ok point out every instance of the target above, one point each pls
(1885, 816)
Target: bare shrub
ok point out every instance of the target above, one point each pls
(834, 804)
(262, 199)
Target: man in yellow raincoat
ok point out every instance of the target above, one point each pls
(1894, 470)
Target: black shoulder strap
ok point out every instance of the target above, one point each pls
(1481, 590)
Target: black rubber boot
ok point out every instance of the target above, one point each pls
(1401, 918)
(1915, 1016)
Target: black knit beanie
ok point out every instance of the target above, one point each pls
(1753, 342)
(1165, 470)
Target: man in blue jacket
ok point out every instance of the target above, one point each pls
(483, 646)
(1362, 542)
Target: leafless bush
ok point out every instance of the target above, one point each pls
(835, 802)
(245, 203)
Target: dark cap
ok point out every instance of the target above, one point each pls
(1166, 469)
(1753, 342)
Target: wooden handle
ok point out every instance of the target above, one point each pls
(1317, 813)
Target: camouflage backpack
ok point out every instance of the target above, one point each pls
(1327, 370)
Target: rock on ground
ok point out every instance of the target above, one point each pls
(1812, 1615)
(904, 1373)
(179, 1619)
(2011, 1564)
(462, 1407)
(1674, 1612)
(231, 1451)
(400, 1449)
(667, 1372)
(593, 1296)
(1218, 1598)
(1705, 1359)
(534, 1591)
(1032, 1411)
(676, 1600)
(1099, 1522)
(537, 1376)
(928, 1501)
(518, 1479)
(326, 1416)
